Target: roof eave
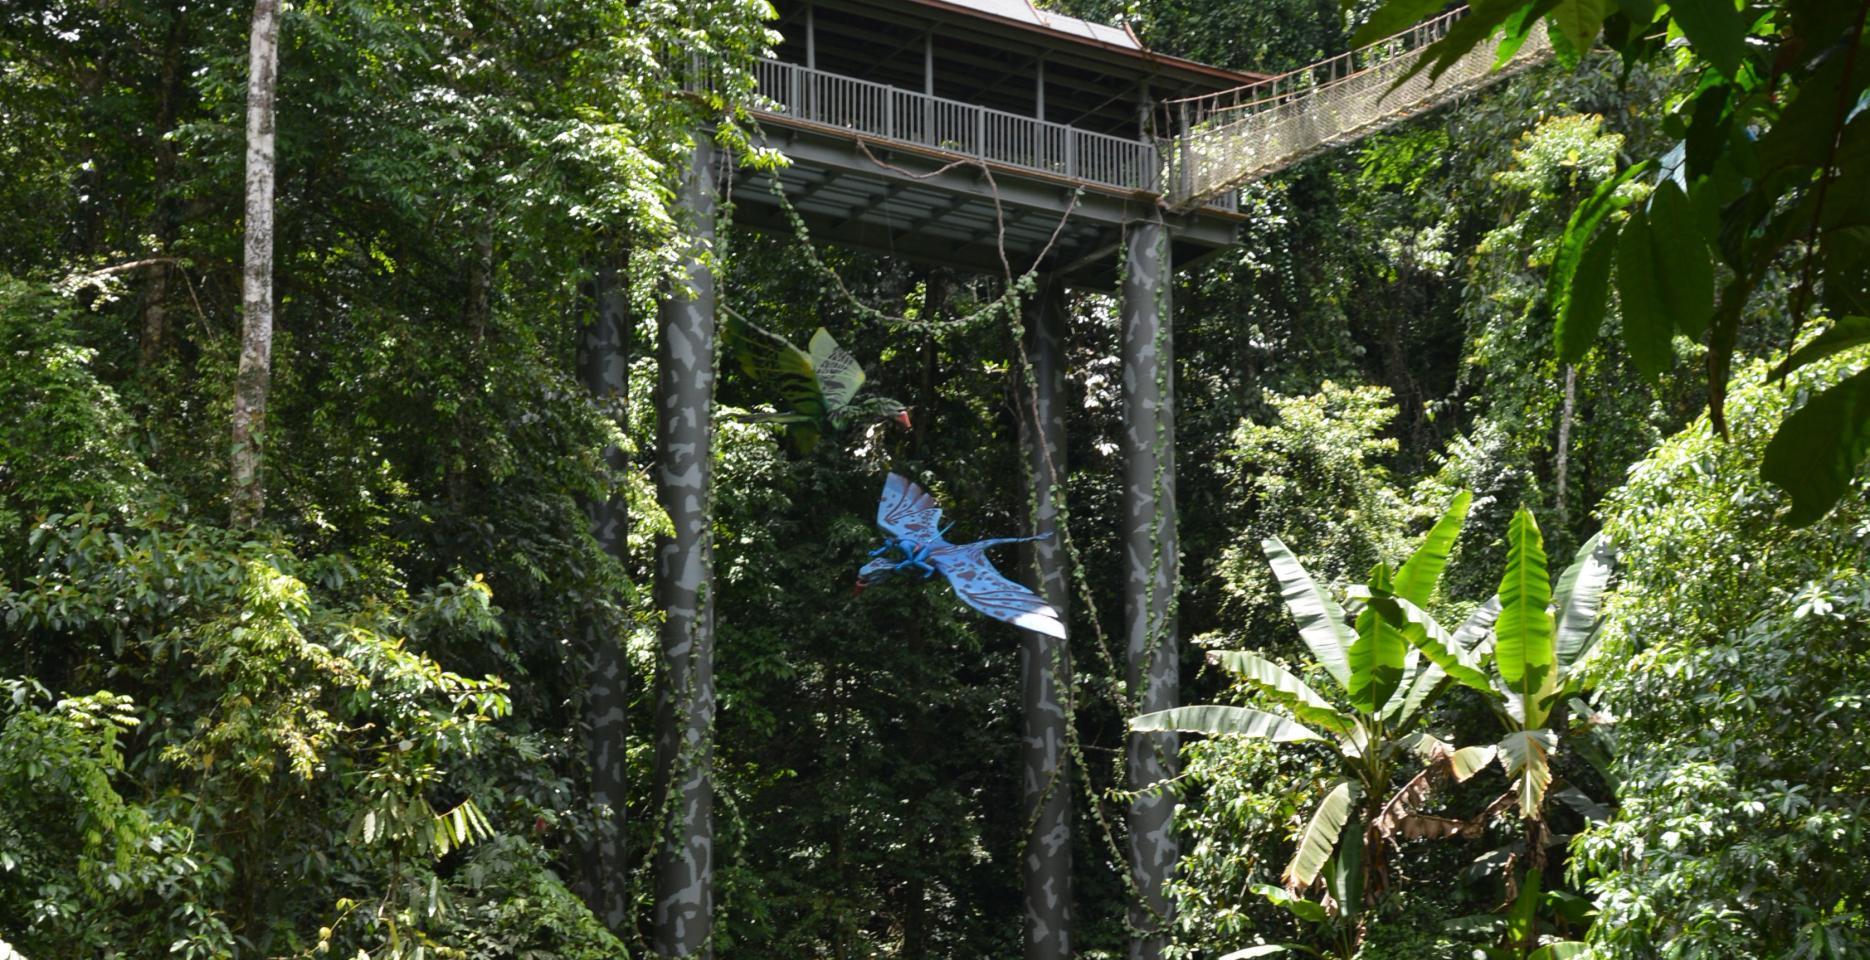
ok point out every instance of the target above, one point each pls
(1220, 76)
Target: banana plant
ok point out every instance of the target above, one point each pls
(1385, 685)
(1541, 634)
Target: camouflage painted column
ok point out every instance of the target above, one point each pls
(603, 368)
(684, 908)
(1045, 662)
(1150, 562)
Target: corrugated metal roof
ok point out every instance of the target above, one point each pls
(1024, 12)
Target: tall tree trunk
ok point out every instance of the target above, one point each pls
(935, 300)
(685, 587)
(1151, 562)
(604, 368)
(1564, 442)
(168, 107)
(1045, 662)
(256, 342)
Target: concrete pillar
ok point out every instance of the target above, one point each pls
(684, 908)
(1151, 564)
(603, 368)
(1045, 662)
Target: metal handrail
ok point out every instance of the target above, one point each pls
(794, 91)
(1193, 112)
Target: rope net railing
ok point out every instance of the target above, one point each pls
(1234, 137)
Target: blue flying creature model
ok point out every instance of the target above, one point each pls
(913, 521)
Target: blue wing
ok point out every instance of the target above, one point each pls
(907, 511)
(982, 587)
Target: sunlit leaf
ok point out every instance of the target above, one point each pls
(1218, 719)
(1321, 833)
(1320, 619)
(1278, 684)
(1415, 582)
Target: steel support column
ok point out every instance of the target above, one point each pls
(1045, 662)
(684, 908)
(1151, 562)
(603, 368)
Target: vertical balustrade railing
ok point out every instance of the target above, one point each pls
(892, 113)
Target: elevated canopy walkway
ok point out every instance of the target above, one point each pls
(1229, 139)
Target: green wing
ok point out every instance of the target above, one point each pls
(839, 376)
(766, 356)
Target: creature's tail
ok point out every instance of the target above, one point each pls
(996, 541)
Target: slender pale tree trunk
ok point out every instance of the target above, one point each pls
(1564, 441)
(604, 367)
(1045, 662)
(256, 342)
(1151, 562)
(684, 909)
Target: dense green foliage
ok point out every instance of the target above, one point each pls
(363, 725)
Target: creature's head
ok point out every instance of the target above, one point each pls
(883, 408)
(873, 573)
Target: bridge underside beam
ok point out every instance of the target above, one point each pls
(910, 206)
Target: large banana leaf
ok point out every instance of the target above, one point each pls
(1320, 619)
(1277, 684)
(1377, 656)
(1525, 648)
(1471, 645)
(1580, 599)
(1562, 950)
(1216, 719)
(1477, 627)
(1344, 875)
(1527, 757)
(1321, 833)
(1445, 652)
(1415, 582)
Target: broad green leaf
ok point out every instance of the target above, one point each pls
(1448, 658)
(1684, 267)
(1581, 315)
(1393, 18)
(1580, 230)
(1345, 879)
(1321, 833)
(1643, 12)
(1415, 582)
(1580, 599)
(1844, 253)
(1647, 328)
(1307, 910)
(1562, 950)
(1579, 20)
(1522, 917)
(1217, 719)
(1526, 756)
(1278, 684)
(1715, 29)
(1818, 448)
(1377, 656)
(1447, 655)
(1840, 336)
(1320, 619)
(1525, 648)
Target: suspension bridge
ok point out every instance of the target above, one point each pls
(1228, 139)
